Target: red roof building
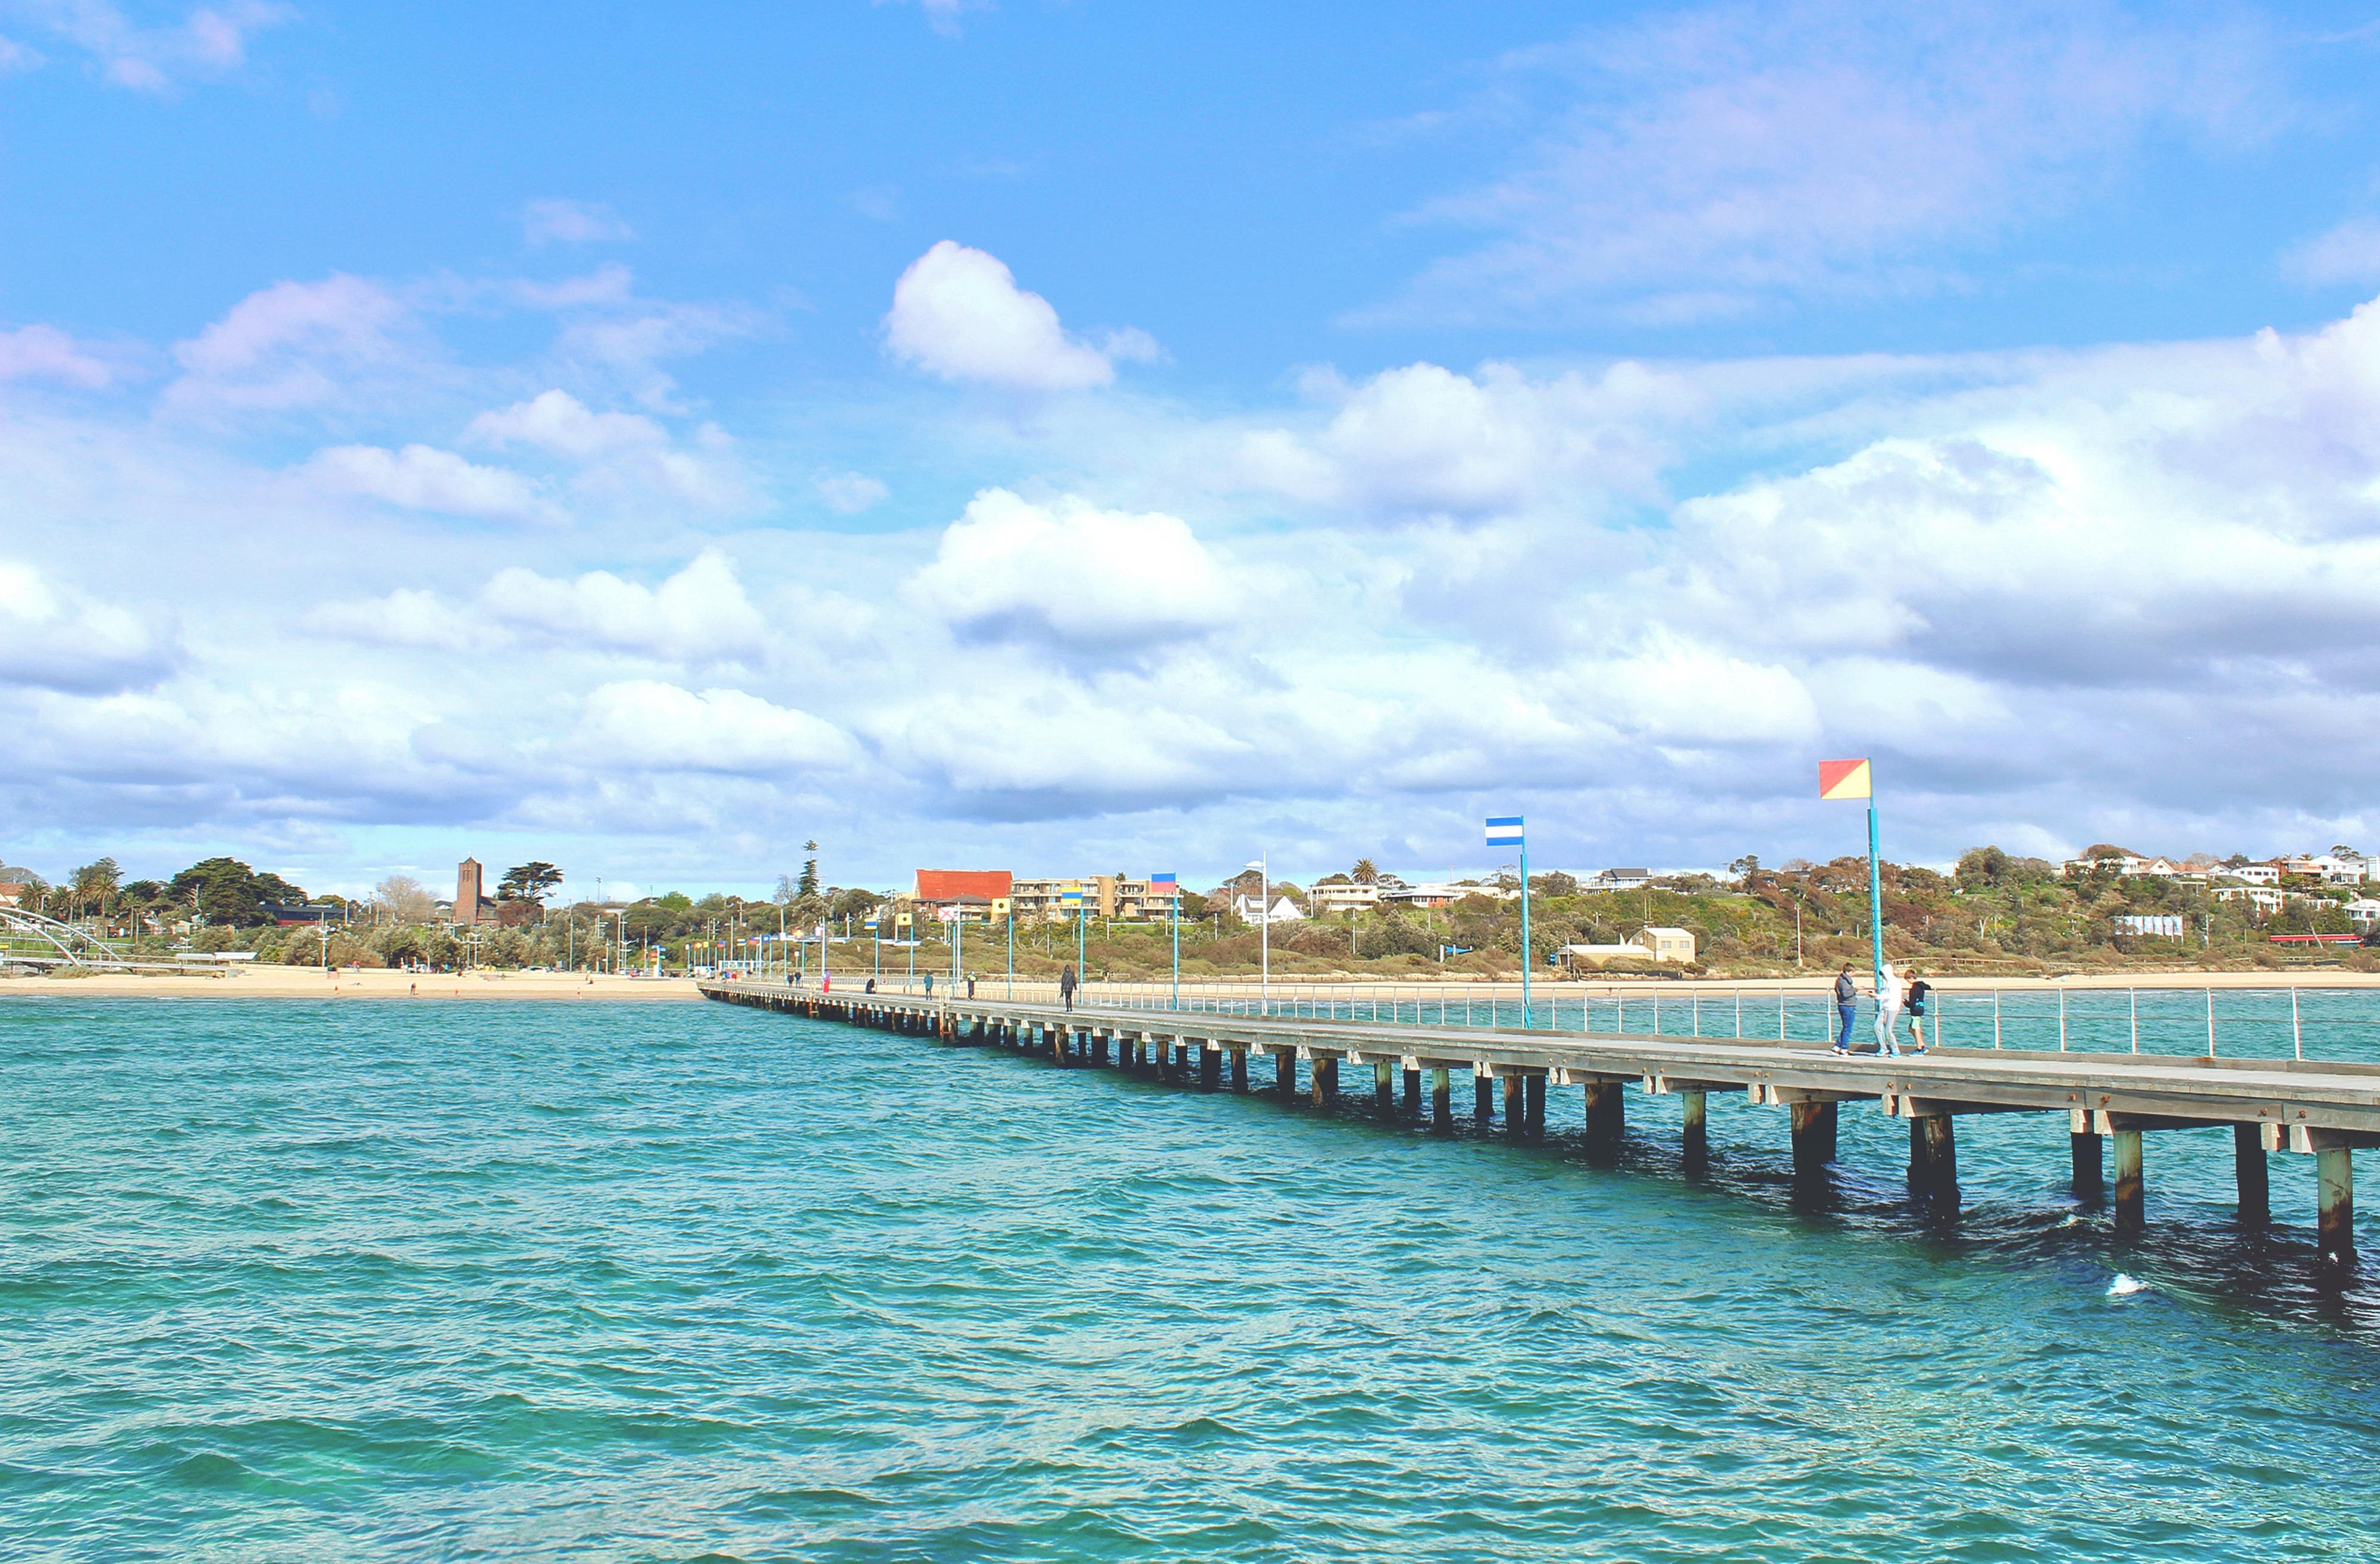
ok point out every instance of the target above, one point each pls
(938, 886)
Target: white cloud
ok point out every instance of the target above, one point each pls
(851, 492)
(1717, 161)
(958, 313)
(1423, 440)
(555, 221)
(293, 344)
(210, 40)
(47, 353)
(700, 614)
(421, 477)
(555, 421)
(1072, 574)
(647, 725)
(52, 636)
(411, 617)
(2349, 253)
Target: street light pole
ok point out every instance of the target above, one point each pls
(1263, 866)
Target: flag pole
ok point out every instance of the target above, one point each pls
(1527, 959)
(1875, 904)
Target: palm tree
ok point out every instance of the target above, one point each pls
(94, 885)
(1365, 872)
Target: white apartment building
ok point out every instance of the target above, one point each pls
(1346, 897)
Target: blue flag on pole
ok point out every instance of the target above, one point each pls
(1504, 830)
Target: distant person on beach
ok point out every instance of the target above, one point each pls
(1847, 1006)
(1066, 985)
(1918, 989)
(1888, 1012)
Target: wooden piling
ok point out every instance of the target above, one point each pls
(1607, 1111)
(1325, 1079)
(1284, 1065)
(1441, 1101)
(1239, 1070)
(1384, 1085)
(1534, 1085)
(1516, 1104)
(1813, 1135)
(1412, 1092)
(1696, 1107)
(2131, 1207)
(2335, 1172)
(2252, 1175)
(1483, 1096)
(1210, 1067)
(2090, 1170)
(1933, 1155)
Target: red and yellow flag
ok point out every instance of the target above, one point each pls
(1845, 779)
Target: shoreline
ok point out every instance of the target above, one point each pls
(313, 983)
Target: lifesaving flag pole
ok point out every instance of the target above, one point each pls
(1504, 830)
(1172, 883)
(1854, 779)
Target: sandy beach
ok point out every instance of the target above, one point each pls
(313, 983)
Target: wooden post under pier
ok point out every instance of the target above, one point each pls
(1696, 1109)
(1934, 1155)
(2130, 1207)
(1814, 1126)
(1441, 1101)
(2253, 1174)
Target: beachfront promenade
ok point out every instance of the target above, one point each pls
(2323, 1110)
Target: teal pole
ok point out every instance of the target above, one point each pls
(1176, 1001)
(1874, 903)
(1528, 959)
(1011, 950)
(1082, 933)
(958, 937)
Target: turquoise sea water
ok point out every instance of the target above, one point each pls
(388, 1280)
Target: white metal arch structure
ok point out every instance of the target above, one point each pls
(73, 947)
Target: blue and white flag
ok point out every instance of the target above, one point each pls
(1504, 830)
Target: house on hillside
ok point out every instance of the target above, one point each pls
(1617, 880)
(1251, 909)
(1668, 944)
(1344, 896)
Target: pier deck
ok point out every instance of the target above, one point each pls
(2322, 1109)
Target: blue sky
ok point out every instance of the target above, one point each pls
(1082, 436)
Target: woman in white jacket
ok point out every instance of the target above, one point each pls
(1890, 993)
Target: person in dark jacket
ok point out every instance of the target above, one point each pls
(1066, 986)
(1918, 989)
(970, 985)
(1847, 1006)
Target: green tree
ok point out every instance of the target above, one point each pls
(531, 882)
(1365, 872)
(808, 886)
(94, 885)
(227, 892)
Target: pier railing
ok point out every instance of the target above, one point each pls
(2278, 1022)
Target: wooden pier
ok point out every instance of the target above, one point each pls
(2325, 1110)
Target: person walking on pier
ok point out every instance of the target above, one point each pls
(1066, 985)
(1888, 1012)
(1846, 1006)
(871, 985)
(1918, 989)
(970, 985)
(929, 984)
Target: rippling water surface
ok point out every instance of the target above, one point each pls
(388, 1280)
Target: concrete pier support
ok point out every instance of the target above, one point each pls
(2253, 1176)
(1813, 1135)
(2131, 1207)
(1934, 1155)
(2335, 1172)
(1441, 1101)
(1607, 1111)
(1696, 1107)
(1412, 1092)
(1384, 1086)
(1483, 1097)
